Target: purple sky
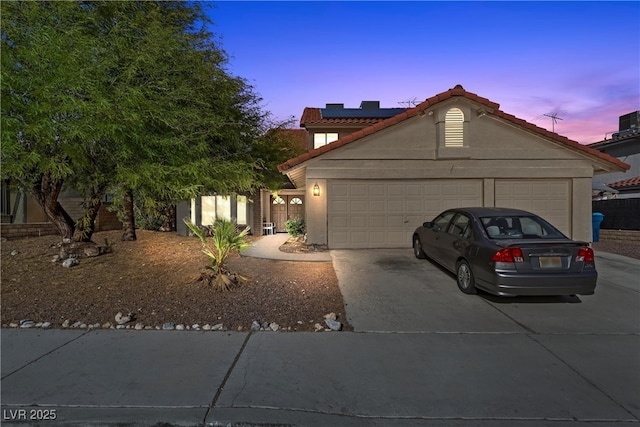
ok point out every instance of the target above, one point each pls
(580, 60)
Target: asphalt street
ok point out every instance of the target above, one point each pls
(422, 354)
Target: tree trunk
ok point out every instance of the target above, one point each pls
(46, 193)
(170, 218)
(86, 225)
(128, 222)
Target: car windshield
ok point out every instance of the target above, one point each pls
(519, 227)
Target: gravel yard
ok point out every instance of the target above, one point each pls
(155, 278)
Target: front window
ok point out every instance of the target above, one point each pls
(320, 139)
(519, 227)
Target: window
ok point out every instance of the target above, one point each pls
(518, 227)
(242, 210)
(454, 128)
(279, 201)
(460, 226)
(296, 201)
(442, 221)
(221, 207)
(320, 139)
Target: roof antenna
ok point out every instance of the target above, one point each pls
(554, 119)
(410, 103)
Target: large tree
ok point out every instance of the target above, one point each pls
(121, 96)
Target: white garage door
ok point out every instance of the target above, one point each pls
(551, 199)
(384, 214)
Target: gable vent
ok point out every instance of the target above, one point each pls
(454, 128)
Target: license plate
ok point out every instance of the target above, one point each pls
(550, 262)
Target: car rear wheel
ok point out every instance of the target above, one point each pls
(417, 248)
(465, 279)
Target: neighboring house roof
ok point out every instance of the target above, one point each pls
(429, 103)
(626, 184)
(617, 137)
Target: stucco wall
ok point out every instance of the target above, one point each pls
(412, 150)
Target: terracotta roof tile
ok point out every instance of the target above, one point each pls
(430, 102)
(630, 182)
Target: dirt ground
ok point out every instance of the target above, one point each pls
(155, 278)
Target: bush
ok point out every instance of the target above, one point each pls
(224, 240)
(296, 227)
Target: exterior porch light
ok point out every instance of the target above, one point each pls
(316, 190)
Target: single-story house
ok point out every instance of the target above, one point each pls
(371, 188)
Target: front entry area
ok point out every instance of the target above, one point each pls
(286, 207)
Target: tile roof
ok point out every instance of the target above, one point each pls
(429, 103)
(356, 116)
(630, 182)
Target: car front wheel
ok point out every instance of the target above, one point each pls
(417, 248)
(465, 279)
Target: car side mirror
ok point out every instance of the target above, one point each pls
(432, 226)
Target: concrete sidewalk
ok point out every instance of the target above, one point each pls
(309, 379)
(268, 247)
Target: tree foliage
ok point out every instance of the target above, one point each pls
(119, 96)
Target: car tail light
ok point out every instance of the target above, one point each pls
(585, 254)
(508, 255)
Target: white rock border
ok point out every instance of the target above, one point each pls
(329, 319)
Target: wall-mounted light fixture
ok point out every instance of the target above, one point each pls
(316, 190)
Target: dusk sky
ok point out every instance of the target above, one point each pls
(579, 60)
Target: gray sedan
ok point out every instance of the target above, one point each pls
(506, 252)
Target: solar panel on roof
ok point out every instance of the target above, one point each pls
(357, 113)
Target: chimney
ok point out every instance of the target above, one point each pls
(335, 106)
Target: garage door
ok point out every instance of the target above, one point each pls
(551, 199)
(384, 214)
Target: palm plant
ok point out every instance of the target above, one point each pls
(225, 240)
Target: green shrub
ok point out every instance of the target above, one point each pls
(225, 240)
(296, 227)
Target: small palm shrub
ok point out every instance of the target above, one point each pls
(295, 227)
(224, 241)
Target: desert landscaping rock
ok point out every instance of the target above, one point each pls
(334, 325)
(27, 324)
(255, 326)
(70, 262)
(168, 326)
(274, 326)
(122, 319)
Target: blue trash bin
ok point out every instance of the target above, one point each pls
(596, 220)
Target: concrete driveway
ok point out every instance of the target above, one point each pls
(542, 355)
(392, 291)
